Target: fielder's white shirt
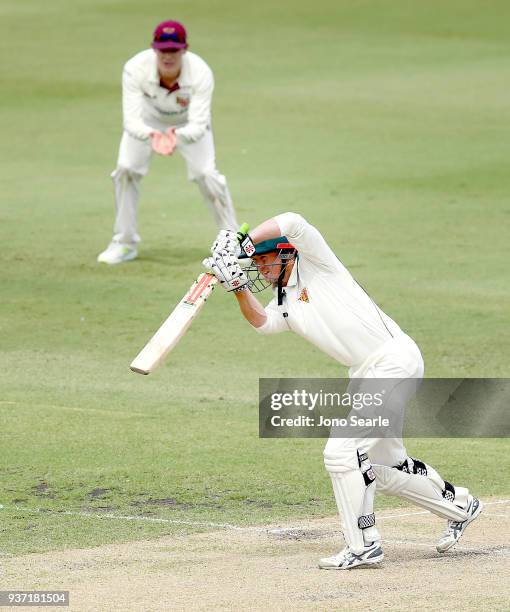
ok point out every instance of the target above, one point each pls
(145, 102)
(323, 302)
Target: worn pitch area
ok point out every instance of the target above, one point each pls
(276, 567)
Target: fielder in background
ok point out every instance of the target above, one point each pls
(166, 102)
(317, 298)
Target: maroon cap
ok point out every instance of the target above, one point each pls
(170, 35)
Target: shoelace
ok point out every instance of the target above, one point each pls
(347, 554)
(453, 527)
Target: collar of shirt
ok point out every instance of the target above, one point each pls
(174, 87)
(293, 275)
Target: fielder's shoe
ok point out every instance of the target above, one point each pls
(455, 529)
(346, 559)
(117, 252)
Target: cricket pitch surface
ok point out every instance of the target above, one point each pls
(275, 567)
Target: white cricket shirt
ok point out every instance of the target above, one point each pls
(146, 102)
(323, 302)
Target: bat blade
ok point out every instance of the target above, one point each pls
(175, 326)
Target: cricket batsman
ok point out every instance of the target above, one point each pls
(316, 297)
(166, 103)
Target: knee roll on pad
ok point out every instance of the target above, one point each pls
(341, 460)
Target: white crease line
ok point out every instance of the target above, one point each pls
(423, 544)
(152, 519)
(391, 516)
(499, 501)
(120, 517)
(77, 409)
(409, 543)
(227, 526)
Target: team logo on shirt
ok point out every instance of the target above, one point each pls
(182, 100)
(303, 296)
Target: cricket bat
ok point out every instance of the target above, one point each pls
(174, 328)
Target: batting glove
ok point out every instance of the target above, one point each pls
(247, 246)
(226, 269)
(226, 240)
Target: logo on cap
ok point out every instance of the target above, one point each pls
(169, 35)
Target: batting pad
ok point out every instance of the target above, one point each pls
(350, 493)
(424, 491)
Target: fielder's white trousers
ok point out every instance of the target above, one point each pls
(133, 164)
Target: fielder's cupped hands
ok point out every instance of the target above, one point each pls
(227, 270)
(164, 143)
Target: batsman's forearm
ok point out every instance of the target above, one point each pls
(252, 309)
(265, 231)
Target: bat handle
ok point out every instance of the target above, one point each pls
(242, 232)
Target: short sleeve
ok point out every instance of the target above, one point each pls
(307, 239)
(275, 322)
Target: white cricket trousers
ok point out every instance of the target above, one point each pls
(133, 164)
(358, 466)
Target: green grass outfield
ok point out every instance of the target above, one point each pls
(386, 124)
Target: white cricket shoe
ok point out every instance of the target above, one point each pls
(455, 529)
(346, 559)
(117, 252)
